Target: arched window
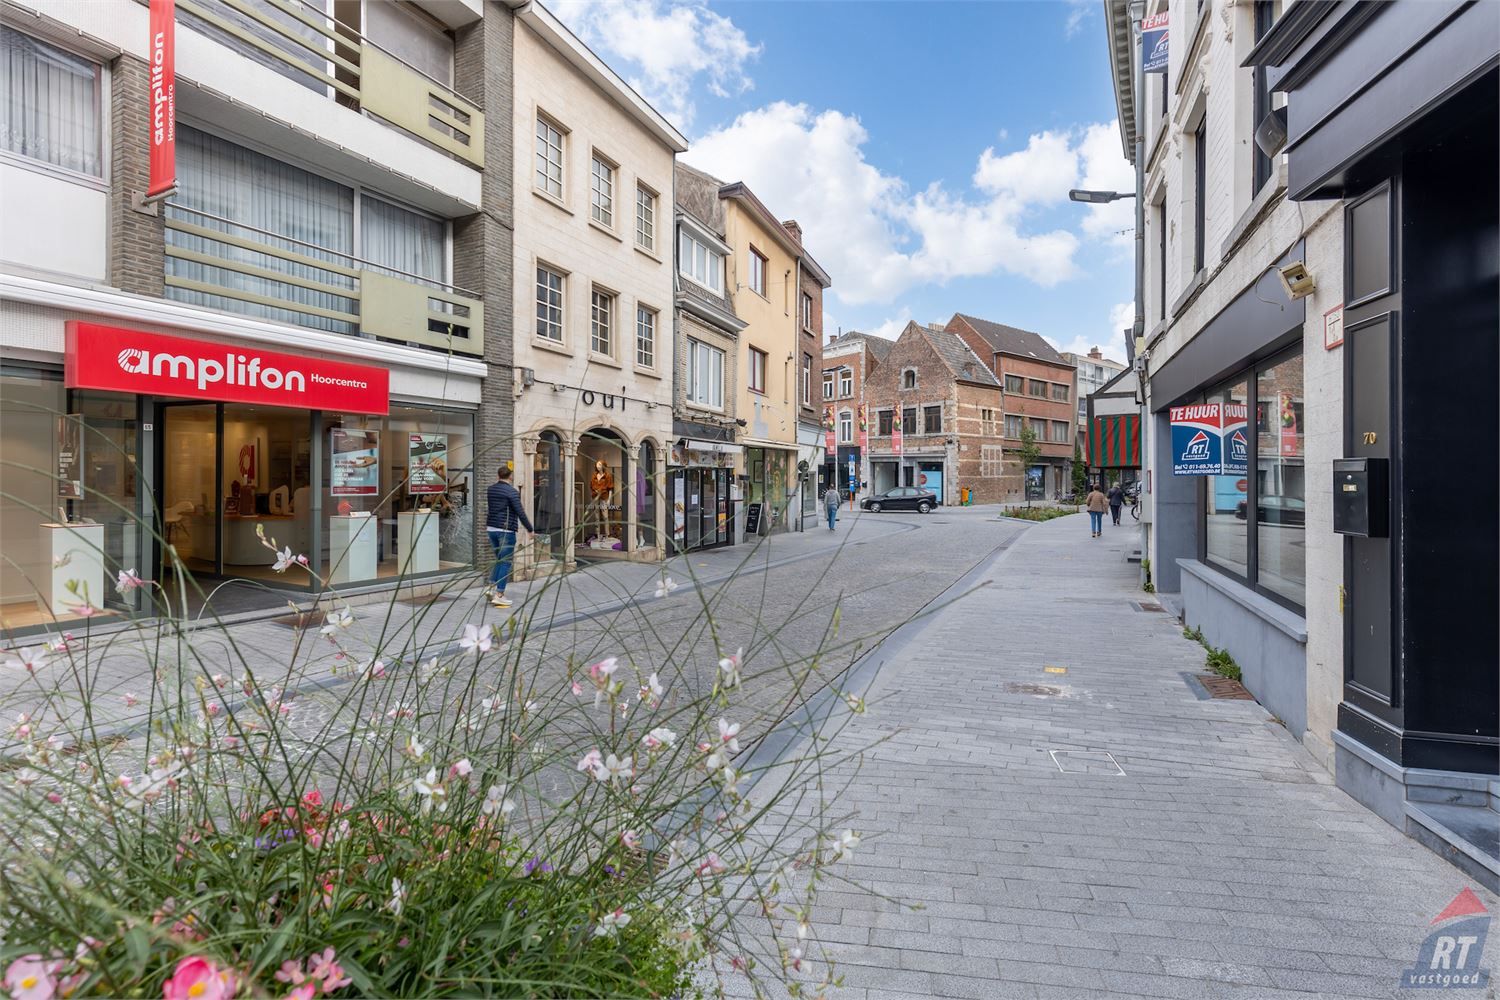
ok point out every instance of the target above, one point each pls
(645, 495)
(909, 378)
(846, 426)
(547, 501)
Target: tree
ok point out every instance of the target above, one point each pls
(1029, 453)
(1080, 472)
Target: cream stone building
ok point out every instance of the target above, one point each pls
(593, 303)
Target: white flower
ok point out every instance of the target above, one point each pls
(728, 733)
(373, 670)
(32, 658)
(614, 768)
(794, 959)
(591, 762)
(414, 748)
(431, 791)
(716, 760)
(158, 781)
(630, 839)
(731, 780)
(611, 923)
(492, 704)
(477, 638)
(659, 737)
(652, 690)
(604, 669)
(131, 700)
(127, 581)
(666, 586)
(337, 619)
(398, 897)
(844, 844)
(711, 865)
(26, 777)
(428, 666)
(462, 769)
(285, 560)
(729, 666)
(496, 802)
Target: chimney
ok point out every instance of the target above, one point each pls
(791, 226)
(1095, 355)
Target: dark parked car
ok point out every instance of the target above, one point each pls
(901, 498)
(1278, 510)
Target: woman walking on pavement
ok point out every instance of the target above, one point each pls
(831, 502)
(1096, 502)
(1116, 501)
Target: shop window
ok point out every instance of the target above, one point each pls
(757, 379)
(932, 420)
(884, 419)
(548, 499)
(1280, 480)
(50, 109)
(599, 487)
(646, 487)
(1225, 532)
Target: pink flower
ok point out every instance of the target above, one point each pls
(577, 689)
(326, 968)
(591, 762)
(31, 978)
(196, 978)
(711, 865)
(128, 580)
(131, 700)
(313, 798)
(630, 839)
(304, 992)
(462, 769)
(290, 972)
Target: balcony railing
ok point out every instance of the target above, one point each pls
(278, 277)
(327, 55)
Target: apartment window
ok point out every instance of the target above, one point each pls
(884, 420)
(1200, 192)
(1164, 89)
(1013, 384)
(700, 262)
(1039, 388)
(757, 370)
(807, 311)
(601, 323)
(602, 193)
(645, 337)
(705, 384)
(909, 379)
(1059, 392)
(1012, 425)
(645, 218)
(549, 157)
(757, 272)
(549, 304)
(409, 35)
(991, 461)
(932, 420)
(1060, 431)
(846, 426)
(828, 385)
(909, 420)
(1161, 257)
(50, 109)
(987, 422)
(1265, 17)
(846, 383)
(806, 386)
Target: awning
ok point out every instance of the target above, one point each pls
(1115, 442)
(719, 446)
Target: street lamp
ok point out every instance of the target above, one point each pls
(1098, 197)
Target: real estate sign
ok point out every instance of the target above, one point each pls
(1154, 43)
(1209, 439)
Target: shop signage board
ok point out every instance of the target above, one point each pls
(119, 360)
(161, 91)
(355, 461)
(1154, 43)
(427, 471)
(1210, 439)
(752, 519)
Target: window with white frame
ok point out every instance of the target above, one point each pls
(700, 262)
(807, 311)
(601, 323)
(846, 426)
(645, 337)
(1060, 433)
(991, 461)
(757, 272)
(549, 157)
(846, 383)
(987, 425)
(705, 374)
(828, 385)
(602, 193)
(645, 217)
(549, 304)
(50, 108)
(806, 382)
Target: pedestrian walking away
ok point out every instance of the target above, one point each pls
(831, 501)
(1096, 502)
(504, 515)
(1116, 501)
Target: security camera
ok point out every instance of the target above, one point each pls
(1270, 134)
(1296, 280)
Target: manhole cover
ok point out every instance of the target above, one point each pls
(1022, 687)
(301, 620)
(1086, 762)
(1223, 687)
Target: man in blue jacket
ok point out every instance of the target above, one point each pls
(504, 514)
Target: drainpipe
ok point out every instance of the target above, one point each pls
(1138, 332)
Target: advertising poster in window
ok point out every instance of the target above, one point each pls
(1236, 440)
(429, 464)
(1291, 428)
(70, 457)
(1197, 439)
(355, 462)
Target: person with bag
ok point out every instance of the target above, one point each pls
(831, 501)
(1116, 501)
(1096, 503)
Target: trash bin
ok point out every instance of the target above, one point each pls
(963, 496)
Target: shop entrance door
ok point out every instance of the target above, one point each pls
(189, 494)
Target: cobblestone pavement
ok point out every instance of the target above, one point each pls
(1222, 862)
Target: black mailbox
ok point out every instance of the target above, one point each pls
(1361, 497)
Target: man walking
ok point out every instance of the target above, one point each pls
(831, 501)
(1096, 504)
(1116, 501)
(505, 512)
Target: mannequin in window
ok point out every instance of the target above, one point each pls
(598, 523)
(601, 483)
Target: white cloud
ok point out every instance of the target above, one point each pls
(1104, 168)
(891, 328)
(1080, 12)
(666, 51)
(876, 236)
(1110, 339)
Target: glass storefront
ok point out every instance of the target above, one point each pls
(548, 500)
(600, 494)
(703, 507)
(769, 471)
(1225, 524)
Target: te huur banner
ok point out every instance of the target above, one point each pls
(1208, 439)
(1154, 43)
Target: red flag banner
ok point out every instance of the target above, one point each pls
(864, 428)
(828, 443)
(161, 49)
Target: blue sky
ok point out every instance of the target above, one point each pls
(926, 147)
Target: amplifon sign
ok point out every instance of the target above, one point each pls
(1210, 439)
(107, 357)
(162, 91)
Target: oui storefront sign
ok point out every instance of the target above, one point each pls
(120, 360)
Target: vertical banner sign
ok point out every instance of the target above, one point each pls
(1291, 433)
(162, 50)
(897, 445)
(828, 442)
(864, 428)
(1154, 43)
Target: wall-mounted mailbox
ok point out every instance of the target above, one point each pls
(1361, 497)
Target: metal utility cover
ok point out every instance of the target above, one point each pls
(1086, 762)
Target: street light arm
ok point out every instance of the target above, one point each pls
(1098, 197)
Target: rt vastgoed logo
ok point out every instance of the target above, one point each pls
(1449, 958)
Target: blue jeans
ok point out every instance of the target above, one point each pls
(1096, 522)
(833, 515)
(504, 544)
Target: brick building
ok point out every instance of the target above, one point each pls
(935, 411)
(848, 360)
(1038, 385)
